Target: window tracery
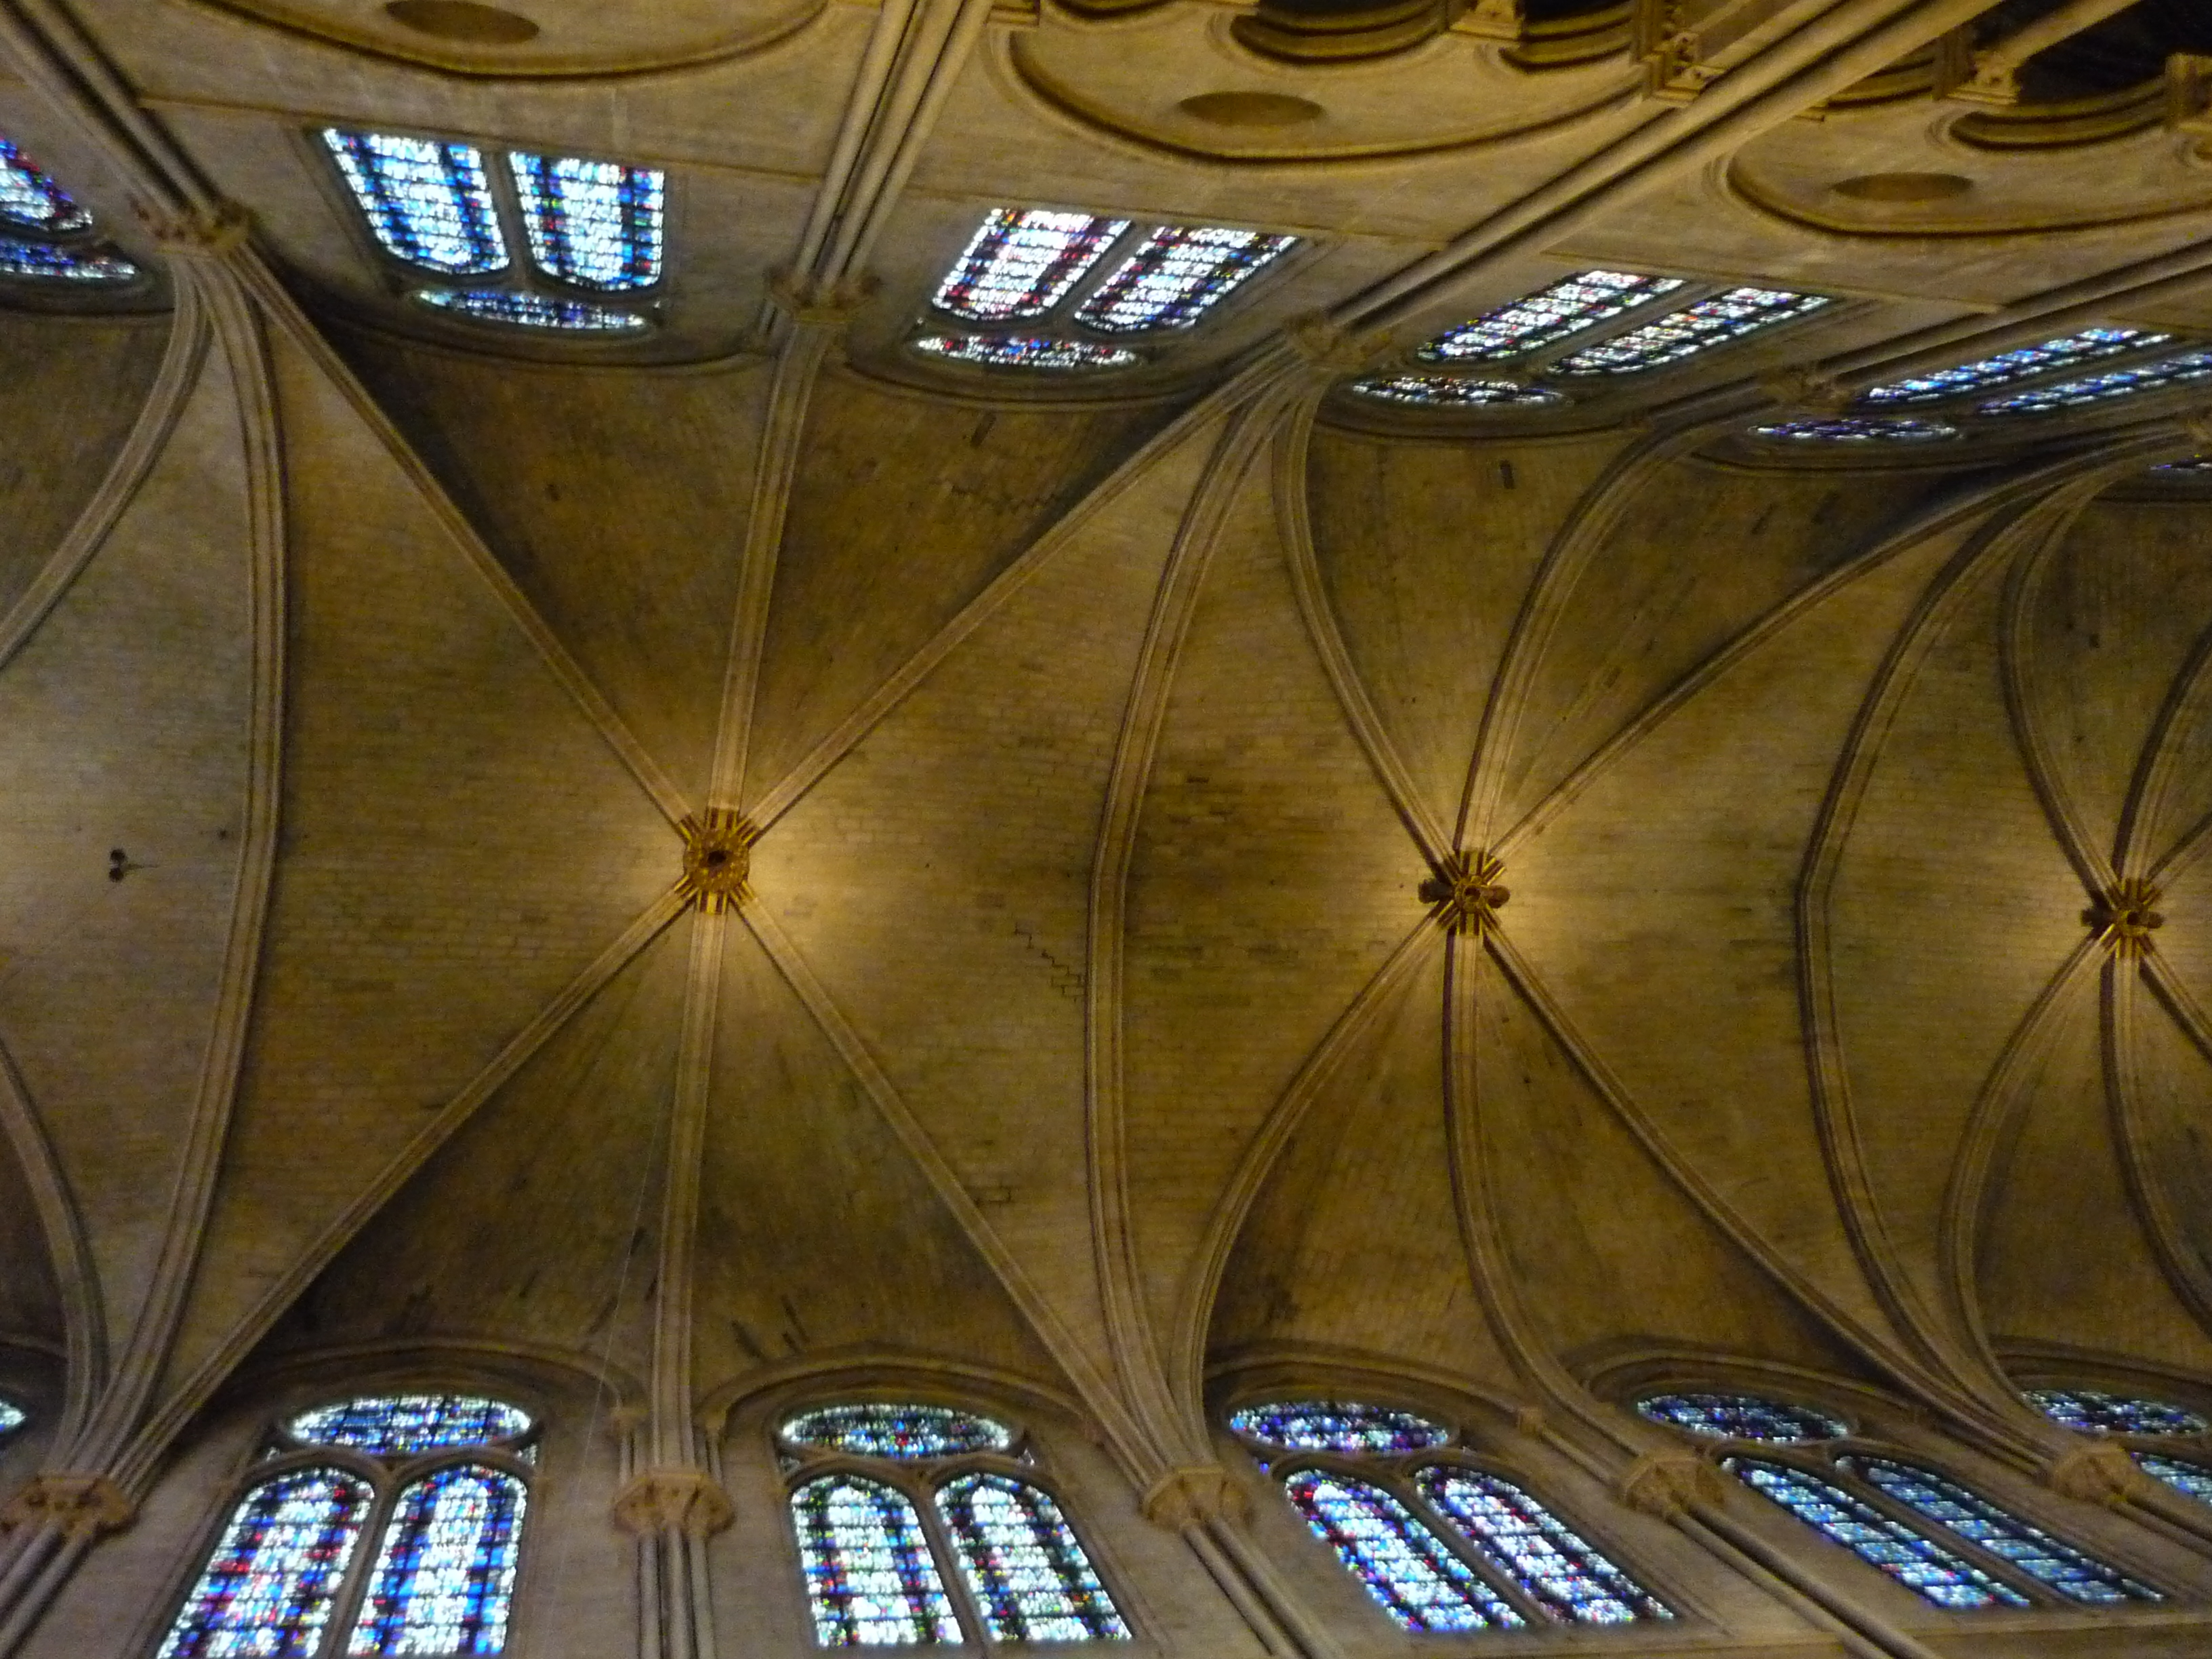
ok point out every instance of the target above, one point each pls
(2146, 1427)
(428, 202)
(1038, 268)
(525, 310)
(46, 234)
(1930, 1532)
(1439, 1544)
(440, 1480)
(916, 1498)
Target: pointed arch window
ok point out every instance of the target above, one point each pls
(925, 1524)
(47, 238)
(1042, 290)
(1438, 1543)
(12, 1417)
(1930, 1532)
(2169, 1442)
(450, 211)
(440, 1482)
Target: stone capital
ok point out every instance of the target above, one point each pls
(671, 1503)
(1191, 1495)
(198, 233)
(80, 1506)
(1331, 348)
(813, 303)
(2095, 1471)
(1666, 1483)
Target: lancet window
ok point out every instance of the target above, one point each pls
(12, 1417)
(2023, 363)
(2169, 1442)
(1592, 326)
(386, 1524)
(1039, 290)
(2128, 382)
(920, 1523)
(1440, 1541)
(445, 208)
(47, 237)
(1930, 1532)
(1857, 429)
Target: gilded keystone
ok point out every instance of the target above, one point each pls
(2125, 918)
(1466, 890)
(718, 861)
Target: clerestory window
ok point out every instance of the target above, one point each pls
(926, 1524)
(1932, 1533)
(1037, 289)
(2169, 1442)
(12, 1417)
(47, 238)
(1440, 1544)
(388, 1524)
(443, 209)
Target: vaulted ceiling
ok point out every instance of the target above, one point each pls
(1087, 1023)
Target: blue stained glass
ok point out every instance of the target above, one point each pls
(402, 1424)
(2077, 1577)
(2009, 366)
(2190, 1480)
(444, 1576)
(428, 201)
(1024, 352)
(1857, 429)
(1566, 307)
(29, 197)
(1696, 327)
(2101, 388)
(870, 1576)
(499, 305)
(11, 1418)
(597, 224)
(1030, 1575)
(898, 1431)
(2092, 1411)
(1917, 1562)
(1337, 1425)
(1407, 1568)
(43, 261)
(1569, 1578)
(1741, 1416)
(1177, 275)
(1021, 262)
(1456, 392)
(269, 1588)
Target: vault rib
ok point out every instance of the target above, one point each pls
(84, 1344)
(2184, 1268)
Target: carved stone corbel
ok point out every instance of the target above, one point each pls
(1666, 1483)
(2096, 1471)
(1803, 387)
(1192, 1495)
(80, 1506)
(196, 233)
(672, 1503)
(814, 302)
(1330, 347)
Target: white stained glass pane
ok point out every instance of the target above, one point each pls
(401, 1425)
(2190, 1480)
(1456, 391)
(598, 224)
(444, 1576)
(1022, 261)
(29, 197)
(1914, 1560)
(270, 1587)
(1342, 1426)
(42, 262)
(1407, 1568)
(870, 1578)
(1569, 1578)
(499, 305)
(1857, 429)
(11, 1417)
(1030, 1577)
(2093, 1411)
(2009, 366)
(2102, 388)
(1551, 314)
(1024, 352)
(428, 201)
(896, 1429)
(1177, 276)
(1740, 1417)
(1697, 327)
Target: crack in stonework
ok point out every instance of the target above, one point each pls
(1466, 891)
(2124, 918)
(718, 859)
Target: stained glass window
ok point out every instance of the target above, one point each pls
(1024, 352)
(1407, 1569)
(29, 197)
(2092, 1411)
(1567, 306)
(597, 224)
(2190, 1480)
(1176, 275)
(1740, 1417)
(402, 1424)
(2077, 1577)
(2196, 464)
(1456, 392)
(898, 1431)
(870, 1575)
(44, 262)
(270, 1587)
(445, 1575)
(1337, 1425)
(1857, 429)
(427, 201)
(499, 305)
(1021, 263)
(1030, 1577)
(2101, 388)
(1569, 1578)
(1943, 1575)
(11, 1418)
(1699, 326)
(2009, 366)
